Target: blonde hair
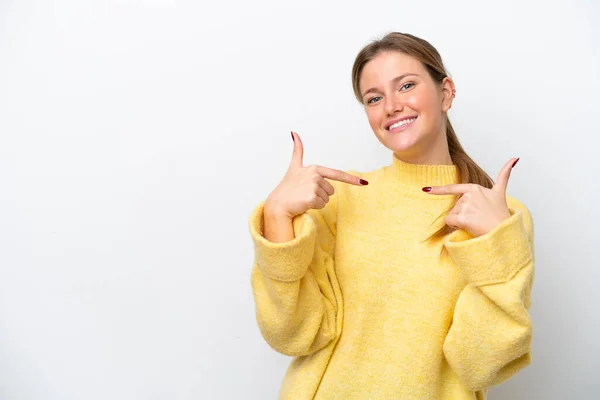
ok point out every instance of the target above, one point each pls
(422, 50)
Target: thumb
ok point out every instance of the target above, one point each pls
(502, 180)
(298, 154)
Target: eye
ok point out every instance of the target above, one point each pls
(406, 86)
(371, 100)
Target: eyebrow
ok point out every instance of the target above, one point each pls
(396, 79)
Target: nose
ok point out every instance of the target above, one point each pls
(392, 105)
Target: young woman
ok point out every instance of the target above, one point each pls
(412, 281)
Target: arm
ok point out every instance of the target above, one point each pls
(295, 291)
(490, 337)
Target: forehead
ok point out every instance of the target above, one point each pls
(387, 66)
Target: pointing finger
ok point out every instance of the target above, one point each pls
(340, 176)
(456, 189)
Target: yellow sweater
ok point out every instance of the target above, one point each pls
(370, 310)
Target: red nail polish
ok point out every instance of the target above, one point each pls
(516, 161)
(292, 133)
(427, 189)
(363, 182)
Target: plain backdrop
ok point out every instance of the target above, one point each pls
(137, 136)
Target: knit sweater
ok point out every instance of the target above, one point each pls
(370, 309)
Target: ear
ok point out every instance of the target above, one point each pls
(448, 93)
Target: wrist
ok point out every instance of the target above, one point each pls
(275, 212)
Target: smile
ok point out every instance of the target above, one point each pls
(401, 125)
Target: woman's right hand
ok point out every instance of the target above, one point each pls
(303, 188)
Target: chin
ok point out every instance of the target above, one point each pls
(403, 142)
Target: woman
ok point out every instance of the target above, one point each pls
(412, 281)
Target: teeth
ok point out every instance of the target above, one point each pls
(401, 123)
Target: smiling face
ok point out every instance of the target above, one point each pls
(406, 107)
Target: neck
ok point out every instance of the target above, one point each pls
(425, 159)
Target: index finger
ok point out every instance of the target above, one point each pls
(456, 189)
(340, 176)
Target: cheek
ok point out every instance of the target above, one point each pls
(374, 117)
(413, 101)
(421, 101)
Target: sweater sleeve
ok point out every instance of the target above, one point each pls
(490, 336)
(293, 283)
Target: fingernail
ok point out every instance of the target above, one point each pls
(363, 182)
(427, 189)
(292, 133)
(516, 161)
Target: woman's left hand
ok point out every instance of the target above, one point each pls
(478, 210)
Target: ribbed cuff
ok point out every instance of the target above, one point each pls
(494, 257)
(286, 261)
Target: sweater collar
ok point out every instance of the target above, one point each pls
(421, 175)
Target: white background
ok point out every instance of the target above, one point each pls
(136, 137)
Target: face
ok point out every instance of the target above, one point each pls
(405, 107)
